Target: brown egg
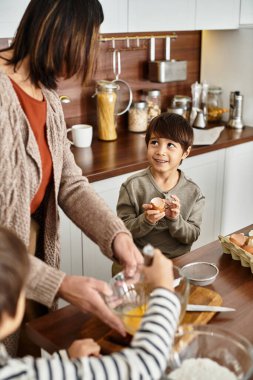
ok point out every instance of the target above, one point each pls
(158, 204)
(238, 239)
(248, 248)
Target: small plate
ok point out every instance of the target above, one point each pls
(200, 273)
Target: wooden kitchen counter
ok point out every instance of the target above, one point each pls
(234, 283)
(128, 153)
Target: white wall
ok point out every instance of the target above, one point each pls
(227, 61)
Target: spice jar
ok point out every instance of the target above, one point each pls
(214, 104)
(106, 93)
(138, 117)
(153, 99)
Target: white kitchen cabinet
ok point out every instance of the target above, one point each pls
(217, 14)
(115, 16)
(11, 12)
(161, 15)
(246, 16)
(207, 171)
(237, 204)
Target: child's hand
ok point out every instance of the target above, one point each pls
(173, 207)
(160, 273)
(151, 215)
(83, 347)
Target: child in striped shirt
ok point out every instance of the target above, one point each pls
(145, 358)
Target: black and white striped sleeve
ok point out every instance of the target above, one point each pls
(145, 359)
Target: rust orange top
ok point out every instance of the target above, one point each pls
(36, 113)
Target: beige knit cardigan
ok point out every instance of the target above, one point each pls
(20, 176)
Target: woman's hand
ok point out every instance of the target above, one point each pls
(86, 293)
(173, 207)
(126, 252)
(151, 215)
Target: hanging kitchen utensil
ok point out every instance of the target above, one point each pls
(124, 94)
(167, 70)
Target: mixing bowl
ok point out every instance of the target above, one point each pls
(202, 352)
(130, 298)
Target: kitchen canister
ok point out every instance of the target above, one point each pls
(153, 99)
(138, 117)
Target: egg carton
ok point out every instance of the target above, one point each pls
(236, 252)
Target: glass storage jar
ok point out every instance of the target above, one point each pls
(183, 102)
(106, 93)
(153, 99)
(214, 104)
(138, 117)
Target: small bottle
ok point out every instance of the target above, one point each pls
(138, 117)
(153, 99)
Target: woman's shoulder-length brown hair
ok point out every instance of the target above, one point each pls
(59, 37)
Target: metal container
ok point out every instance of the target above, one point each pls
(235, 111)
(166, 70)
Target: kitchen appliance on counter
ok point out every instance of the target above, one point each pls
(166, 70)
(235, 110)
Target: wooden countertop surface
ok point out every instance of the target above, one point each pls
(234, 283)
(128, 153)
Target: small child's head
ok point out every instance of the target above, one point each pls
(172, 127)
(14, 267)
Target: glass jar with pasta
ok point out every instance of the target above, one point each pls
(106, 93)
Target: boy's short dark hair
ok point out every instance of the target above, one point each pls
(171, 126)
(14, 267)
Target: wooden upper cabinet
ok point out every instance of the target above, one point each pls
(115, 16)
(217, 14)
(160, 15)
(11, 12)
(246, 17)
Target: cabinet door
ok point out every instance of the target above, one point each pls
(11, 12)
(161, 15)
(207, 172)
(115, 16)
(71, 246)
(217, 14)
(237, 205)
(95, 264)
(246, 17)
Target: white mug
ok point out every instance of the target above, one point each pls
(81, 134)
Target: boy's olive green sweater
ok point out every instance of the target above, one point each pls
(172, 237)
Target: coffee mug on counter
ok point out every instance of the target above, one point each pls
(81, 135)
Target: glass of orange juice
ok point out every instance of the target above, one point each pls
(130, 298)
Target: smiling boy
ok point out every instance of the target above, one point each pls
(169, 139)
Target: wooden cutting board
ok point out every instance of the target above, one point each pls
(201, 296)
(112, 341)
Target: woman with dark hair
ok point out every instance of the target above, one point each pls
(55, 39)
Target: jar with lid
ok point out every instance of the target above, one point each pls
(214, 104)
(106, 93)
(183, 102)
(153, 99)
(138, 117)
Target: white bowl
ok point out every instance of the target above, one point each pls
(200, 273)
